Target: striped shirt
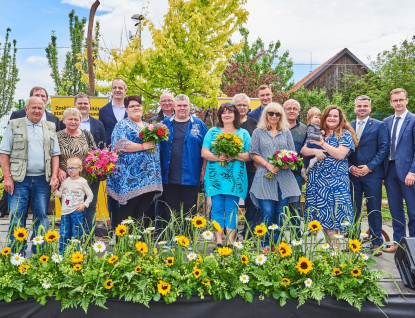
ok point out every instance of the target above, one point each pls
(264, 145)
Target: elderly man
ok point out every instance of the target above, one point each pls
(29, 155)
(182, 166)
(265, 97)
(167, 108)
(299, 132)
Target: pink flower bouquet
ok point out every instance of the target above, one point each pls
(100, 163)
(284, 157)
(155, 132)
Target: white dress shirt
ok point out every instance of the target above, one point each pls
(119, 112)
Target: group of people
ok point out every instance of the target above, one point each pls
(349, 161)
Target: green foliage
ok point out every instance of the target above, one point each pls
(8, 74)
(68, 80)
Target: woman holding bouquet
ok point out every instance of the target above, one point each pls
(226, 178)
(137, 179)
(271, 195)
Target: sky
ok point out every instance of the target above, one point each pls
(312, 31)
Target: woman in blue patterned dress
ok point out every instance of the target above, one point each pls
(226, 185)
(328, 198)
(137, 179)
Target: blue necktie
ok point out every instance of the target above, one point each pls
(393, 141)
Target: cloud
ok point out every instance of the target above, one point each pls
(40, 60)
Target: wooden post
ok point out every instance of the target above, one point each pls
(89, 48)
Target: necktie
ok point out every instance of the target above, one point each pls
(393, 141)
(360, 129)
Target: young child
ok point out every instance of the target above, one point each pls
(73, 191)
(313, 133)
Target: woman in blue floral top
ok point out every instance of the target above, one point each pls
(137, 179)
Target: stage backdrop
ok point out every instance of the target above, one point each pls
(58, 105)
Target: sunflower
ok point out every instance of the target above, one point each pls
(216, 226)
(163, 288)
(314, 226)
(77, 257)
(227, 136)
(244, 259)
(224, 251)
(141, 247)
(20, 234)
(260, 230)
(337, 271)
(197, 272)
(356, 272)
(284, 249)
(121, 229)
(137, 269)
(183, 241)
(23, 268)
(199, 259)
(304, 265)
(285, 282)
(199, 222)
(355, 245)
(206, 281)
(170, 261)
(77, 267)
(6, 251)
(44, 259)
(108, 284)
(51, 236)
(113, 259)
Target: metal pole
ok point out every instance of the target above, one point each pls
(89, 48)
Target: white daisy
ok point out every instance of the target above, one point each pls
(325, 246)
(134, 237)
(364, 256)
(363, 235)
(308, 282)
(345, 223)
(188, 219)
(338, 236)
(296, 243)
(149, 229)
(273, 227)
(99, 247)
(17, 259)
(38, 240)
(192, 256)
(260, 260)
(238, 245)
(57, 258)
(74, 240)
(175, 239)
(127, 221)
(207, 235)
(46, 285)
(162, 243)
(244, 279)
(334, 253)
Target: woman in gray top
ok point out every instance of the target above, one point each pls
(271, 196)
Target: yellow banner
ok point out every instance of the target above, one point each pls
(255, 103)
(60, 103)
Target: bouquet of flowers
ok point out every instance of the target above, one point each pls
(284, 157)
(100, 162)
(229, 145)
(155, 132)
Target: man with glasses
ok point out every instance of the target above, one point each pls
(265, 97)
(167, 108)
(400, 167)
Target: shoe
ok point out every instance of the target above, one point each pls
(219, 245)
(374, 248)
(390, 248)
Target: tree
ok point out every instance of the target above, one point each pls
(68, 81)
(8, 74)
(256, 64)
(188, 54)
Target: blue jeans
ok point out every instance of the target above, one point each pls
(251, 210)
(225, 210)
(271, 213)
(39, 192)
(113, 207)
(295, 220)
(91, 211)
(71, 227)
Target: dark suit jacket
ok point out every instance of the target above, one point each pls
(97, 131)
(49, 117)
(158, 118)
(256, 113)
(106, 116)
(372, 149)
(405, 146)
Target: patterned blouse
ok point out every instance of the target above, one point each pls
(264, 145)
(74, 147)
(137, 172)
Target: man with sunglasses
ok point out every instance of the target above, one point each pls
(265, 97)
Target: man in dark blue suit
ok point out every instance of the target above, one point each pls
(366, 167)
(265, 97)
(400, 167)
(110, 115)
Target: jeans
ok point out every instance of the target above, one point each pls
(71, 227)
(225, 210)
(271, 213)
(38, 189)
(91, 210)
(113, 207)
(295, 220)
(251, 210)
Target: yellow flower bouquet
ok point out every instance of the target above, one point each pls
(229, 145)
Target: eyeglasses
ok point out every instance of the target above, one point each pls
(135, 106)
(227, 105)
(271, 114)
(291, 109)
(72, 168)
(166, 101)
(395, 101)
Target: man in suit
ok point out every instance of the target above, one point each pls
(110, 115)
(366, 167)
(400, 167)
(265, 97)
(167, 108)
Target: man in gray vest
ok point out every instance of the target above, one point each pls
(29, 155)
